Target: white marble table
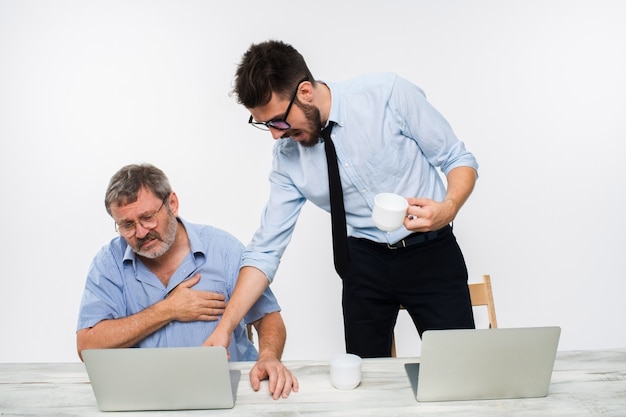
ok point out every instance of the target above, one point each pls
(584, 383)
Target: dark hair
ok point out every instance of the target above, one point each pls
(126, 183)
(270, 66)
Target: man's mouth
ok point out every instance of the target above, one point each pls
(147, 240)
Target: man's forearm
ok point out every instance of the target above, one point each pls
(272, 336)
(123, 332)
(250, 285)
(461, 181)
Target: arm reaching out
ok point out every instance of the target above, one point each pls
(250, 285)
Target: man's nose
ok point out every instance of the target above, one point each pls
(276, 133)
(140, 231)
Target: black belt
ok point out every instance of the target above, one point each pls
(420, 237)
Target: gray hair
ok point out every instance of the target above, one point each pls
(126, 183)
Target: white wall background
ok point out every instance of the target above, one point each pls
(535, 88)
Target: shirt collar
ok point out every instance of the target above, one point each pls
(335, 114)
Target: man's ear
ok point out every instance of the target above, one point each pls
(306, 92)
(173, 203)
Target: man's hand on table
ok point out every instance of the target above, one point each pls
(281, 381)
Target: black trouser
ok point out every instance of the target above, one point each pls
(429, 279)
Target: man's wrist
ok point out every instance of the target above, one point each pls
(451, 208)
(266, 356)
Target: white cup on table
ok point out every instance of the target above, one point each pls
(345, 371)
(389, 211)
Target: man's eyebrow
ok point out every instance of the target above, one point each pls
(145, 213)
(273, 119)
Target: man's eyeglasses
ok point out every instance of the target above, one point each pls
(281, 123)
(150, 221)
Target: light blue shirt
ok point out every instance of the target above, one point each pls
(119, 285)
(388, 138)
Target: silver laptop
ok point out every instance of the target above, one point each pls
(161, 378)
(482, 364)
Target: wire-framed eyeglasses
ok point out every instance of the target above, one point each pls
(150, 221)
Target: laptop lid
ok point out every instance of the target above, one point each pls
(481, 364)
(161, 378)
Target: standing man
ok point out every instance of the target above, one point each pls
(388, 138)
(165, 282)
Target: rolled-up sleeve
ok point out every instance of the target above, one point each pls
(278, 220)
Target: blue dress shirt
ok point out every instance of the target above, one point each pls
(119, 285)
(388, 138)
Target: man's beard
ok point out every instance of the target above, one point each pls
(166, 240)
(313, 117)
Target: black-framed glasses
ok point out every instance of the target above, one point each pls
(280, 123)
(149, 221)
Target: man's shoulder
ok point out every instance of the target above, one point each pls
(365, 90)
(208, 234)
(114, 249)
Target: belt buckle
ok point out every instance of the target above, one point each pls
(396, 245)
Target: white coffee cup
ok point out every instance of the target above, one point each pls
(345, 371)
(389, 211)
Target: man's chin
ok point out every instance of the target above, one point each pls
(151, 249)
(308, 142)
(152, 254)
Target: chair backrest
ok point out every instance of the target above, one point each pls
(481, 294)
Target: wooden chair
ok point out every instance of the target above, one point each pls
(481, 294)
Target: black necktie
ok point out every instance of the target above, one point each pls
(337, 210)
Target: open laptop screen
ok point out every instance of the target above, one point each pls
(161, 378)
(485, 363)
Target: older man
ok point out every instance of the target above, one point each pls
(164, 282)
